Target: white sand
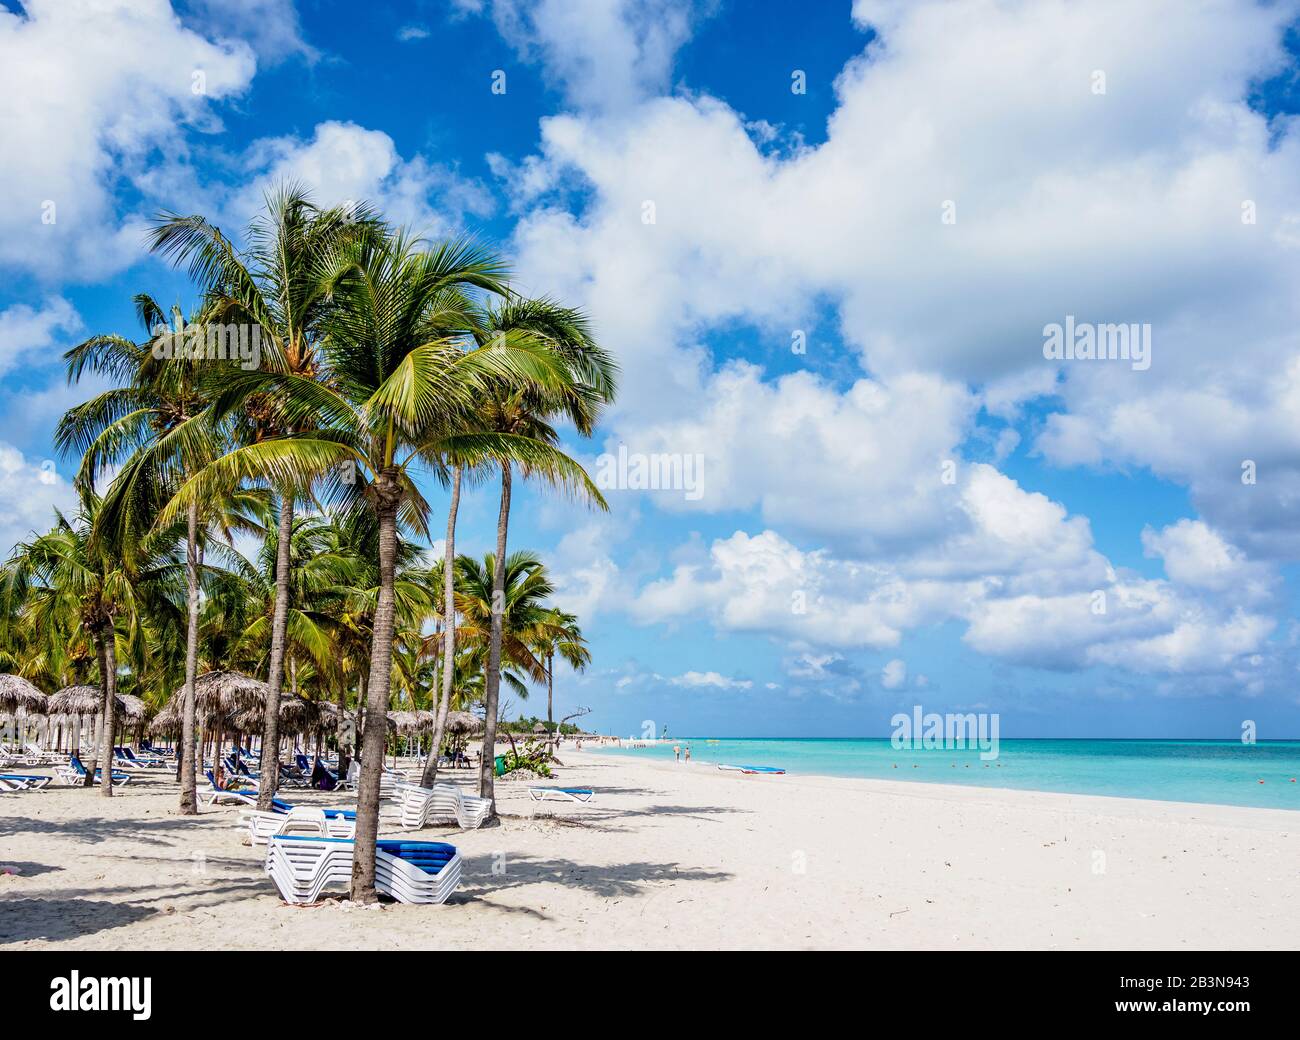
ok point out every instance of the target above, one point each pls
(684, 857)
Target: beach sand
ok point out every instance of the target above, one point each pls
(671, 857)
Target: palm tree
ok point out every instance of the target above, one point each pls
(281, 284)
(400, 390)
(81, 569)
(526, 410)
(559, 633)
(149, 425)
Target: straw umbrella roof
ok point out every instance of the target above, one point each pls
(218, 697)
(297, 715)
(167, 723)
(538, 728)
(76, 700)
(463, 722)
(410, 723)
(88, 700)
(131, 709)
(17, 693)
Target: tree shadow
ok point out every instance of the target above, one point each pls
(607, 881)
(25, 868)
(57, 919)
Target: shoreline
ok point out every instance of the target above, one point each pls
(670, 857)
(907, 788)
(638, 755)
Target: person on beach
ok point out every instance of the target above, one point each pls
(688, 754)
(677, 753)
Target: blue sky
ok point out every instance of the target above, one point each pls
(949, 180)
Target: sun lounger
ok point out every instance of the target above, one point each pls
(298, 819)
(582, 795)
(144, 761)
(410, 872)
(39, 757)
(23, 781)
(74, 773)
(420, 806)
(215, 795)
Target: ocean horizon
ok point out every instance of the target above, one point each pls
(1217, 772)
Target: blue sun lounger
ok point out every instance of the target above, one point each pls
(23, 781)
(74, 772)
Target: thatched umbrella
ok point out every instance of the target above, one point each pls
(297, 715)
(463, 722)
(71, 706)
(220, 695)
(19, 695)
(76, 700)
(539, 728)
(167, 723)
(411, 723)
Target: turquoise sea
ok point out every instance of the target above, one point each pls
(1222, 772)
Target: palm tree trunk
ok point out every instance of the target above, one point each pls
(387, 498)
(448, 634)
(492, 684)
(270, 761)
(338, 730)
(89, 780)
(110, 704)
(550, 687)
(189, 799)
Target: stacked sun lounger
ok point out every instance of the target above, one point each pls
(297, 819)
(408, 871)
(420, 806)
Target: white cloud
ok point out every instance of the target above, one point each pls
(33, 336)
(344, 162)
(270, 26)
(894, 674)
(1123, 206)
(29, 494)
(605, 54)
(90, 91)
(408, 33)
(714, 679)
(1023, 578)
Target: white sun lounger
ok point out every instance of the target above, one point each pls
(581, 795)
(299, 820)
(420, 806)
(410, 872)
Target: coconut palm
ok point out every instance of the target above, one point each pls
(401, 390)
(148, 427)
(527, 410)
(80, 569)
(282, 284)
(559, 633)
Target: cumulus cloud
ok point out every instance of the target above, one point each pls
(894, 674)
(91, 94)
(1023, 578)
(33, 336)
(30, 491)
(343, 162)
(604, 54)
